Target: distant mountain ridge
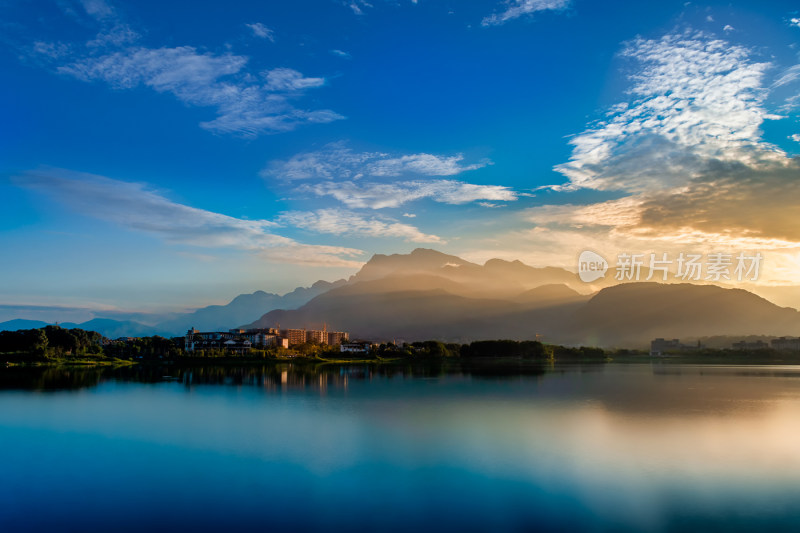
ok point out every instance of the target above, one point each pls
(430, 295)
(494, 278)
(427, 294)
(105, 326)
(244, 308)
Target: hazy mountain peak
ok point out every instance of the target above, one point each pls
(418, 261)
(502, 262)
(245, 308)
(253, 297)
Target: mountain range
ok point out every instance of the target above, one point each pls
(107, 327)
(243, 308)
(427, 294)
(430, 295)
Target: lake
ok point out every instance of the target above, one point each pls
(597, 447)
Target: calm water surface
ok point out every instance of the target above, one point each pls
(598, 447)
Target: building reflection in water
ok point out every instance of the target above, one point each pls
(273, 377)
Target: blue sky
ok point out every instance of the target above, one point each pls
(160, 156)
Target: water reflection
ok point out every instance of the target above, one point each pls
(448, 447)
(277, 376)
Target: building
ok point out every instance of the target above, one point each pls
(786, 344)
(197, 340)
(294, 336)
(660, 347)
(748, 346)
(355, 347)
(337, 337)
(239, 346)
(240, 340)
(232, 340)
(316, 336)
(323, 336)
(263, 337)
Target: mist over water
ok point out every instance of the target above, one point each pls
(365, 448)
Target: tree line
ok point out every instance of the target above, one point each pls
(54, 342)
(490, 349)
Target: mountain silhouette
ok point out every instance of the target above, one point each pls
(243, 308)
(430, 295)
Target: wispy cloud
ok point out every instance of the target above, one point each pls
(114, 31)
(358, 6)
(788, 76)
(369, 179)
(734, 198)
(246, 105)
(247, 101)
(118, 34)
(695, 99)
(687, 157)
(136, 207)
(99, 9)
(51, 50)
(341, 53)
(519, 8)
(261, 31)
(343, 222)
(382, 195)
(795, 21)
(337, 161)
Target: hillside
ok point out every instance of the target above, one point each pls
(426, 295)
(244, 308)
(430, 295)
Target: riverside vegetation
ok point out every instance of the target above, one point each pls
(57, 345)
(53, 344)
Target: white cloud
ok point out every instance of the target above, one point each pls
(728, 28)
(247, 102)
(113, 29)
(261, 31)
(358, 6)
(696, 99)
(134, 206)
(519, 8)
(98, 9)
(367, 179)
(337, 161)
(795, 137)
(51, 50)
(244, 105)
(794, 22)
(614, 213)
(341, 53)
(342, 222)
(116, 35)
(289, 80)
(789, 75)
(425, 164)
(383, 195)
(409, 215)
(688, 154)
